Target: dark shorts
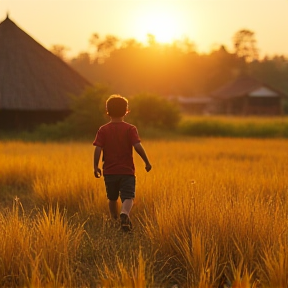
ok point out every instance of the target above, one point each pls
(120, 185)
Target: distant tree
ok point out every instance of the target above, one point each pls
(185, 45)
(176, 68)
(221, 68)
(245, 45)
(83, 65)
(103, 47)
(60, 51)
(272, 71)
(151, 39)
(131, 43)
(82, 57)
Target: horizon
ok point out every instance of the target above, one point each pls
(207, 24)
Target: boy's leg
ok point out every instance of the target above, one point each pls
(127, 206)
(113, 208)
(124, 215)
(112, 191)
(127, 194)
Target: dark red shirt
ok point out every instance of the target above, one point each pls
(116, 140)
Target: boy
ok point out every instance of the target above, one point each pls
(116, 140)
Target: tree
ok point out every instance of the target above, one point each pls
(59, 51)
(83, 65)
(131, 43)
(103, 47)
(185, 45)
(151, 39)
(245, 45)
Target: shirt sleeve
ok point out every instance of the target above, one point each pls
(134, 136)
(99, 139)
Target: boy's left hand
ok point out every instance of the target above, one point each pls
(97, 173)
(148, 167)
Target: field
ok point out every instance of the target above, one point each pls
(211, 210)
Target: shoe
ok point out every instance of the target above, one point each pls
(126, 224)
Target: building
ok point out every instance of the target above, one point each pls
(247, 96)
(35, 84)
(195, 105)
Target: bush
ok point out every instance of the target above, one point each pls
(226, 127)
(151, 110)
(88, 114)
(88, 111)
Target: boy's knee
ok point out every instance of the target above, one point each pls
(126, 198)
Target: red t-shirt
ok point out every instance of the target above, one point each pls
(116, 140)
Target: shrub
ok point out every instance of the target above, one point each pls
(235, 127)
(88, 113)
(151, 110)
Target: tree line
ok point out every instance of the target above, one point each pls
(129, 67)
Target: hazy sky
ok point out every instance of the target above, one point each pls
(208, 23)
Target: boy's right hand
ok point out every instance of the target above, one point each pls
(97, 173)
(148, 167)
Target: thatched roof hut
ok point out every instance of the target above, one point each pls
(248, 96)
(34, 82)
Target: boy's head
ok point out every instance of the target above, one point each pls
(117, 106)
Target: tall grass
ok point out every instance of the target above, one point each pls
(39, 251)
(210, 211)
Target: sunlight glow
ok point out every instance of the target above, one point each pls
(162, 22)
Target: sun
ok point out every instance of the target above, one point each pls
(159, 21)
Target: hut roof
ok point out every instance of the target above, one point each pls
(31, 77)
(242, 86)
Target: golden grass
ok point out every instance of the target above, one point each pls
(210, 209)
(37, 252)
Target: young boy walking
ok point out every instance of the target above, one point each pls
(116, 140)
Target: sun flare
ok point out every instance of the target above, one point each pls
(163, 24)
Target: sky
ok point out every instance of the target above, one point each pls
(207, 23)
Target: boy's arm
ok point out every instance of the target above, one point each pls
(140, 150)
(97, 153)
